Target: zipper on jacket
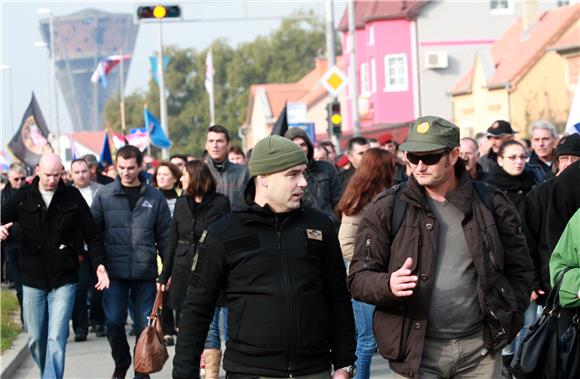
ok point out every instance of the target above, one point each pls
(368, 250)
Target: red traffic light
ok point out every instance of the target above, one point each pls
(159, 11)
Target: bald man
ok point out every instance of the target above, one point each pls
(55, 222)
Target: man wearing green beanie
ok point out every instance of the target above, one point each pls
(444, 260)
(280, 268)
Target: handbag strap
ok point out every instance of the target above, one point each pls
(157, 305)
(553, 301)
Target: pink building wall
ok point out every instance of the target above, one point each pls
(390, 37)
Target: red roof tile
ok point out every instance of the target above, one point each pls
(514, 53)
(374, 10)
(569, 40)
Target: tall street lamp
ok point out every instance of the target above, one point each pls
(48, 12)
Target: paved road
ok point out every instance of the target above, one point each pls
(92, 360)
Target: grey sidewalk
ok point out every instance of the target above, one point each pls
(92, 360)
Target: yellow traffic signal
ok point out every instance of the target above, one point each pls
(159, 11)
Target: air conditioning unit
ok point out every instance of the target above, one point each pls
(436, 59)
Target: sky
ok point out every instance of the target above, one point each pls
(25, 68)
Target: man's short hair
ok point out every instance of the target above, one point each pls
(91, 160)
(79, 160)
(218, 129)
(179, 156)
(18, 167)
(129, 152)
(544, 124)
(237, 150)
(357, 141)
(472, 140)
(328, 145)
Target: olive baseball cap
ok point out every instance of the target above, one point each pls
(430, 133)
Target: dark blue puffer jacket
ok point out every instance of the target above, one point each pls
(132, 238)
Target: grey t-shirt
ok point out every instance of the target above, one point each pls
(454, 310)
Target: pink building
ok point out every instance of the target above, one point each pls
(386, 60)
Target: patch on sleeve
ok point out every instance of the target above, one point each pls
(243, 243)
(314, 234)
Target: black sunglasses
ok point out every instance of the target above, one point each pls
(429, 159)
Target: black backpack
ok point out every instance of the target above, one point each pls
(400, 207)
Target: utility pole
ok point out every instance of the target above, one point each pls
(331, 59)
(353, 82)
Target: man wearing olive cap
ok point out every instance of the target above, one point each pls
(280, 268)
(449, 285)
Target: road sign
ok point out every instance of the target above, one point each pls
(333, 81)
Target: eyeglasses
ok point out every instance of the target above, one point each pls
(429, 159)
(514, 157)
(19, 179)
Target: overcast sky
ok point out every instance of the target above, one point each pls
(29, 64)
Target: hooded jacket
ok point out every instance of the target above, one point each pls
(323, 191)
(500, 258)
(52, 238)
(132, 238)
(289, 311)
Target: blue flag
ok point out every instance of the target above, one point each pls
(106, 156)
(156, 133)
(153, 62)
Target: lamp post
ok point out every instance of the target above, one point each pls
(43, 45)
(8, 68)
(48, 12)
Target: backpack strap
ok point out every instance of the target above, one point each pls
(399, 209)
(483, 191)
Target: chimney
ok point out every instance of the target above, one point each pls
(529, 16)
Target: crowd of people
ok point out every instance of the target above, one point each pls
(437, 253)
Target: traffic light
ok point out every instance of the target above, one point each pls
(334, 117)
(158, 11)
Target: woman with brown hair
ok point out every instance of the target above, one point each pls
(374, 175)
(194, 212)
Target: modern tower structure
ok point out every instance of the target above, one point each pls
(81, 40)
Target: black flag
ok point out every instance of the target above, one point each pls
(31, 139)
(281, 126)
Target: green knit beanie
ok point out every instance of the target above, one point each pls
(274, 154)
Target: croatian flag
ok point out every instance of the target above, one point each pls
(105, 66)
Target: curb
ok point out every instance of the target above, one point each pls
(13, 357)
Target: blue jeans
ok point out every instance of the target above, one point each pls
(115, 299)
(46, 317)
(530, 315)
(213, 340)
(365, 339)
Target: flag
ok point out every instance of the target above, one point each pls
(209, 84)
(153, 61)
(73, 148)
(281, 125)
(573, 124)
(106, 156)
(105, 66)
(31, 139)
(139, 138)
(156, 133)
(5, 161)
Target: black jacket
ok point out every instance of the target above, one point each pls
(132, 238)
(285, 285)
(188, 224)
(534, 224)
(515, 187)
(5, 195)
(53, 238)
(564, 202)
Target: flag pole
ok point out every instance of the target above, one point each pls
(122, 92)
(209, 84)
(147, 129)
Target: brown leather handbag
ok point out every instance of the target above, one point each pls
(150, 351)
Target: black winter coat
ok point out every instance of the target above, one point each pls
(52, 238)
(515, 187)
(564, 202)
(289, 311)
(190, 220)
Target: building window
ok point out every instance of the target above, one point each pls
(371, 35)
(364, 79)
(373, 75)
(501, 6)
(396, 78)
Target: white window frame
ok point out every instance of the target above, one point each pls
(373, 75)
(398, 87)
(371, 40)
(364, 79)
(502, 10)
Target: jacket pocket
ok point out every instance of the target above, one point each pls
(253, 326)
(314, 330)
(390, 331)
(30, 217)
